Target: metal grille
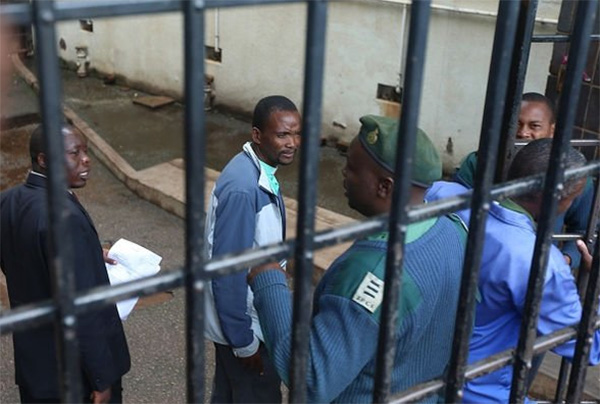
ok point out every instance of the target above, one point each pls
(513, 38)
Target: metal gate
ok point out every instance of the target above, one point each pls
(513, 38)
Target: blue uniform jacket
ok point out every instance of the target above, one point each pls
(503, 277)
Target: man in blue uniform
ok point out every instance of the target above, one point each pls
(536, 121)
(347, 301)
(507, 256)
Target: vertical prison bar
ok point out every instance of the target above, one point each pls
(583, 25)
(60, 240)
(309, 160)
(516, 82)
(194, 191)
(407, 134)
(495, 100)
(585, 332)
(582, 282)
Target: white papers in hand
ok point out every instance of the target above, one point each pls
(133, 262)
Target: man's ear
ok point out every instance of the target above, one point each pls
(41, 160)
(552, 127)
(255, 135)
(385, 187)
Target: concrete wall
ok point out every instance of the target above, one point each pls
(263, 53)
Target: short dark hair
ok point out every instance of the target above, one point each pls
(542, 99)
(534, 159)
(37, 143)
(267, 105)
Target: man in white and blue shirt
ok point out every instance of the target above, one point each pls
(246, 210)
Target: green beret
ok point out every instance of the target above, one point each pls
(379, 136)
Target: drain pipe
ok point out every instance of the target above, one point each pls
(402, 29)
(217, 48)
(83, 61)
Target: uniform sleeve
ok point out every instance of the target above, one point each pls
(560, 307)
(234, 231)
(337, 350)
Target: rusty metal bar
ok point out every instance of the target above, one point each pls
(504, 40)
(516, 82)
(27, 316)
(60, 241)
(195, 140)
(309, 162)
(583, 25)
(585, 334)
(407, 134)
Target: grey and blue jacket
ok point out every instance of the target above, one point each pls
(244, 212)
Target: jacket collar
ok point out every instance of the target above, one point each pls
(263, 180)
(36, 180)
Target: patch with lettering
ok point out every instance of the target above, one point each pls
(370, 292)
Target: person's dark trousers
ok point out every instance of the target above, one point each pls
(26, 397)
(233, 383)
(115, 398)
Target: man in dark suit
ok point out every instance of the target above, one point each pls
(24, 259)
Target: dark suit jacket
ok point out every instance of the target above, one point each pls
(25, 262)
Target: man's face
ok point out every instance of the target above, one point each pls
(76, 157)
(279, 140)
(535, 121)
(360, 180)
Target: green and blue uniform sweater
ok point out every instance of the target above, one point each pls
(347, 308)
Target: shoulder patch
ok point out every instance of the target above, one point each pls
(370, 292)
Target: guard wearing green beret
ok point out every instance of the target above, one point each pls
(347, 301)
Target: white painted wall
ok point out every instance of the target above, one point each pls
(263, 53)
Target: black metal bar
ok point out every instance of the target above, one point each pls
(566, 117)
(16, 319)
(19, 14)
(60, 241)
(567, 237)
(73, 10)
(594, 216)
(574, 143)
(588, 237)
(582, 282)
(195, 158)
(561, 381)
(504, 41)
(585, 332)
(43, 312)
(516, 82)
(407, 134)
(309, 163)
(559, 38)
